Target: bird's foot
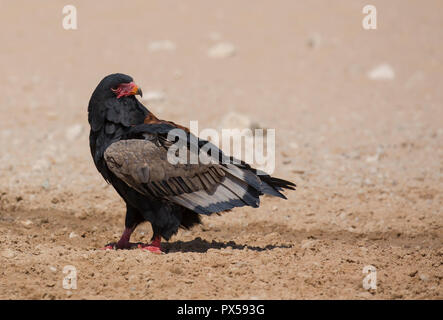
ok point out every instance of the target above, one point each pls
(121, 245)
(110, 246)
(151, 248)
(154, 247)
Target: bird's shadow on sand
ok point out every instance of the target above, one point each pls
(199, 245)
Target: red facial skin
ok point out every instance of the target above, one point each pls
(126, 89)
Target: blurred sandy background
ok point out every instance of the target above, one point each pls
(359, 124)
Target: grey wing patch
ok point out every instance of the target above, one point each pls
(231, 192)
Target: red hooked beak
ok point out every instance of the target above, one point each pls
(127, 89)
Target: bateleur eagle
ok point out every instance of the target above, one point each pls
(129, 146)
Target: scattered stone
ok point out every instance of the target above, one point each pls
(8, 253)
(53, 269)
(80, 215)
(27, 223)
(45, 184)
(153, 96)
(364, 250)
(423, 277)
(239, 121)
(351, 229)
(41, 165)
(176, 270)
(413, 273)
(162, 45)
(43, 221)
(372, 159)
(308, 244)
(382, 72)
(314, 40)
(73, 132)
(177, 74)
(72, 235)
(353, 155)
(377, 156)
(222, 50)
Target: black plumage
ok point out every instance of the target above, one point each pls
(129, 146)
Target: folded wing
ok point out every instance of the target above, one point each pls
(205, 188)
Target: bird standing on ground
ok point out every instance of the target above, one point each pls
(129, 146)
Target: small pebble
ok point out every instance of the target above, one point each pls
(162, 45)
(72, 235)
(73, 132)
(382, 72)
(222, 50)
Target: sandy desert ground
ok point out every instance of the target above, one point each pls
(359, 127)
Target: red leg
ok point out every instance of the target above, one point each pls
(154, 247)
(123, 243)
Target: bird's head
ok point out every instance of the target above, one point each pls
(118, 85)
(117, 92)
